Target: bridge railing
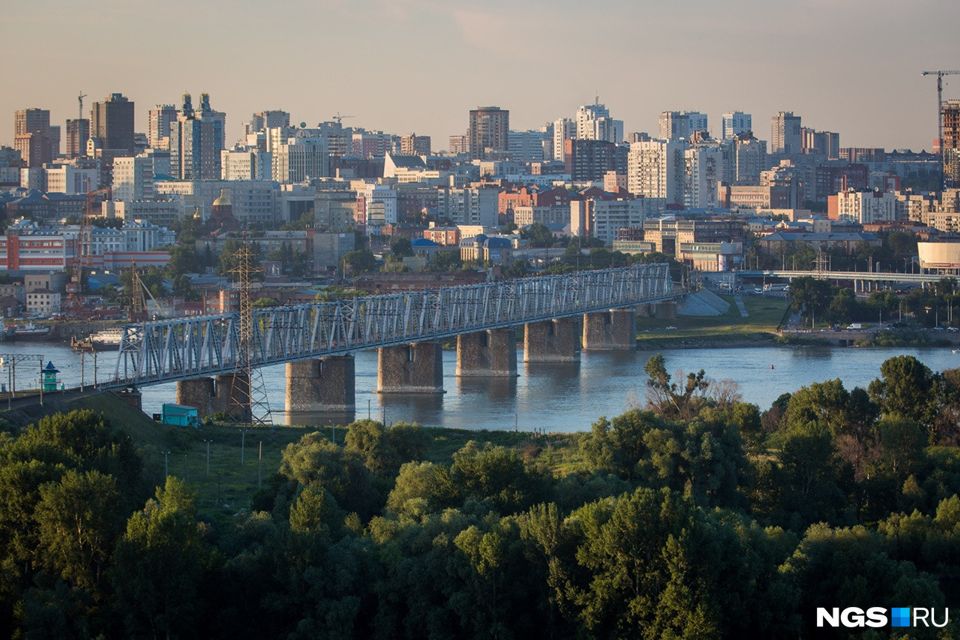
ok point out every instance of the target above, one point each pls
(165, 350)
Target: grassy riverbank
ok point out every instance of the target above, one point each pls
(729, 329)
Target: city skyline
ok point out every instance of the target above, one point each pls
(683, 64)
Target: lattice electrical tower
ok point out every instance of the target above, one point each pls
(248, 389)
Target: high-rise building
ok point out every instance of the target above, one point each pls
(735, 123)
(414, 145)
(55, 141)
(588, 160)
(702, 171)
(111, 122)
(133, 178)
(676, 125)
(594, 123)
(603, 217)
(370, 144)
(264, 120)
(527, 146)
(563, 130)
(655, 169)
(785, 134)
(824, 143)
(32, 136)
(470, 206)
(488, 131)
(196, 140)
(300, 159)
(458, 145)
(161, 119)
(951, 143)
(78, 132)
(749, 159)
(246, 164)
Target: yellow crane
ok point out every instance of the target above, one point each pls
(940, 73)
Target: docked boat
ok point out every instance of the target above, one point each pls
(30, 331)
(104, 340)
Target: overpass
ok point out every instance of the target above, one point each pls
(560, 314)
(846, 276)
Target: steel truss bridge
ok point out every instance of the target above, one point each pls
(169, 350)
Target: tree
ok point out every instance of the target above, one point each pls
(904, 388)
(668, 398)
(229, 260)
(159, 564)
(316, 460)
(421, 488)
(401, 247)
(810, 296)
(538, 234)
(493, 475)
(843, 306)
(78, 521)
(360, 261)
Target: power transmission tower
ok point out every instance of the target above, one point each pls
(249, 389)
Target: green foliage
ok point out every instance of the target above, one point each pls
(77, 523)
(401, 247)
(656, 524)
(360, 261)
(811, 296)
(159, 565)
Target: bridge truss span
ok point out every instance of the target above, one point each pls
(168, 350)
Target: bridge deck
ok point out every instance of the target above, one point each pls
(168, 350)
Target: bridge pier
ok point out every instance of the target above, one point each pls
(552, 341)
(321, 385)
(613, 330)
(410, 368)
(487, 353)
(233, 394)
(198, 393)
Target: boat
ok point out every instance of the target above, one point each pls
(104, 340)
(30, 330)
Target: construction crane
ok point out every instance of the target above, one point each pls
(338, 117)
(80, 110)
(940, 73)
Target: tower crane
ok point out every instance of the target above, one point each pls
(80, 110)
(940, 73)
(338, 118)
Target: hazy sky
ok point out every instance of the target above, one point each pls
(851, 66)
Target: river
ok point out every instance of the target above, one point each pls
(554, 397)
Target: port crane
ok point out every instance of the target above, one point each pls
(940, 73)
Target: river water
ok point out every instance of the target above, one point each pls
(554, 397)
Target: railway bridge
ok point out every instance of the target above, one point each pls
(208, 357)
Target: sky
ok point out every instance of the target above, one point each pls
(404, 66)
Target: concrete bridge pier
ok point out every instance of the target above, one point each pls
(491, 353)
(198, 393)
(233, 395)
(552, 341)
(410, 368)
(613, 330)
(321, 385)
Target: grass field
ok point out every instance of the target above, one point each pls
(227, 483)
(764, 312)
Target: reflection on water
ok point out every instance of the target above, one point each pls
(556, 397)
